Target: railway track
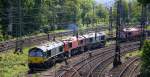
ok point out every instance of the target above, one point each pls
(87, 65)
(135, 71)
(82, 68)
(99, 69)
(82, 58)
(36, 40)
(130, 68)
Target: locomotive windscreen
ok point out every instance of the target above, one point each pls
(36, 52)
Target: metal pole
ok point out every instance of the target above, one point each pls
(110, 21)
(117, 60)
(143, 19)
(129, 12)
(75, 20)
(10, 27)
(93, 21)
(19, 28)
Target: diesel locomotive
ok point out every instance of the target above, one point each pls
(47, 54)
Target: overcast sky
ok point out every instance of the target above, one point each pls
(105, 2)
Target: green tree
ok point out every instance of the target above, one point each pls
(4, 16)
(146, 59)
(102, 12)
(40, 14)
(144, 2)
(135, 12)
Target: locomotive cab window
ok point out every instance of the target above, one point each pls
(49, 53)
(32, 53)
(70, 45)
(39, 54)
(61, 48)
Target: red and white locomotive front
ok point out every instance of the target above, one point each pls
(70, 44)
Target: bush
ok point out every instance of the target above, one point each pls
(12, 65)
(1, 38)
(145, 70)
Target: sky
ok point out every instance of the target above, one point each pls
(105, 2)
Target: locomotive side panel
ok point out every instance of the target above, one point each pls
(74, 44)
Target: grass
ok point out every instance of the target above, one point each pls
(12, 65)
(133, 54)
(57, 31)
(148, 28)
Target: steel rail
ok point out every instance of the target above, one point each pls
(111, 57)
(134, 69)
(64, 72)
(125, 69)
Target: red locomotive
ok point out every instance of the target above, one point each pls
(130, 34)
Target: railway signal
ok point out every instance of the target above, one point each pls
(117, 60)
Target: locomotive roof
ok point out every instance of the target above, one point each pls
(69, 38)
(130, 29)
(54, 44)
(101, 33)
(81, 37)
(50, 45)
(89, 35)
(93, 34)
